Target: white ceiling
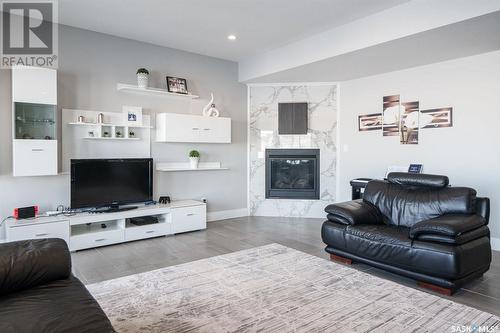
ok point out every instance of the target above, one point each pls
(462, 39)
(202, 26)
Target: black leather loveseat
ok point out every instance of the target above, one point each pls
(39, 294)
(414, 225)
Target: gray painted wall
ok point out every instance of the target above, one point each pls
(90, 66)
(467, 152)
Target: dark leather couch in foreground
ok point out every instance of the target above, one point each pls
(414, 225)
(39, 294)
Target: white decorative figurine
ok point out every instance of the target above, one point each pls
(209, 110)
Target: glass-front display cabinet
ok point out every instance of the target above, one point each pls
(35, 121)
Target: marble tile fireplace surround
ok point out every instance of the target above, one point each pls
(265, 140)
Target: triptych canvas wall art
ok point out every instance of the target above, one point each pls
(404, 119)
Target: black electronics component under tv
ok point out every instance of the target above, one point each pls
(143, 220)
(109, 183)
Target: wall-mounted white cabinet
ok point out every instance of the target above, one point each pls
(34, 121)
(34, 157)
(34, 85)
(174, 127)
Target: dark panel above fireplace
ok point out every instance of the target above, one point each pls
(292, 173)
(292, 118)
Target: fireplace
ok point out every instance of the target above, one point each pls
(292, 174)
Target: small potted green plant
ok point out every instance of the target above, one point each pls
(194, 158)
(142, 78)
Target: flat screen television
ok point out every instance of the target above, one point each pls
(97, 183)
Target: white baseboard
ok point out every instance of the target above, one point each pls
(495, 243)
(226, 214)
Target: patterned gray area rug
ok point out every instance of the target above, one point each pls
(275, 289)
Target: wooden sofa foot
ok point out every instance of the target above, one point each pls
(343, 260)
(437, 289)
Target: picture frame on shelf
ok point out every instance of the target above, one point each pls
(177, 85)
(132, 115)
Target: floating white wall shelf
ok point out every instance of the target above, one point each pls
(113, 138)
(110, 138)
(102, 124)
(112, 127)
(180, 166)
(128, 88)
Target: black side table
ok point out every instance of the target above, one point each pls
(358, 186)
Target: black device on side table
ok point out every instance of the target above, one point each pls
(358, 185)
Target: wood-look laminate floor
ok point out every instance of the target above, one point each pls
(231, 235)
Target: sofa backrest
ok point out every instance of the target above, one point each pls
(405, 199)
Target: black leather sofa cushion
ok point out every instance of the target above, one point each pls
(30, 263)
(412, 179)
(386, 234)
(366, 239)
(404, 206)
(391, 245)
(461, 239)
(353, 212)
(39, 294)
(60, 306)
(450, 225)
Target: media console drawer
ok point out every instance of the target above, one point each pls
(189, 218)
(96, 239)
(147, 231)
(36, 231)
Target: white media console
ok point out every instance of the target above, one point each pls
(85, 230)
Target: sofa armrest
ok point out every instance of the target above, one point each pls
(449, 225)
(29, 263)
(354, 212)
(483, 208)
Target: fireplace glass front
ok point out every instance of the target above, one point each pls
(292, 173)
